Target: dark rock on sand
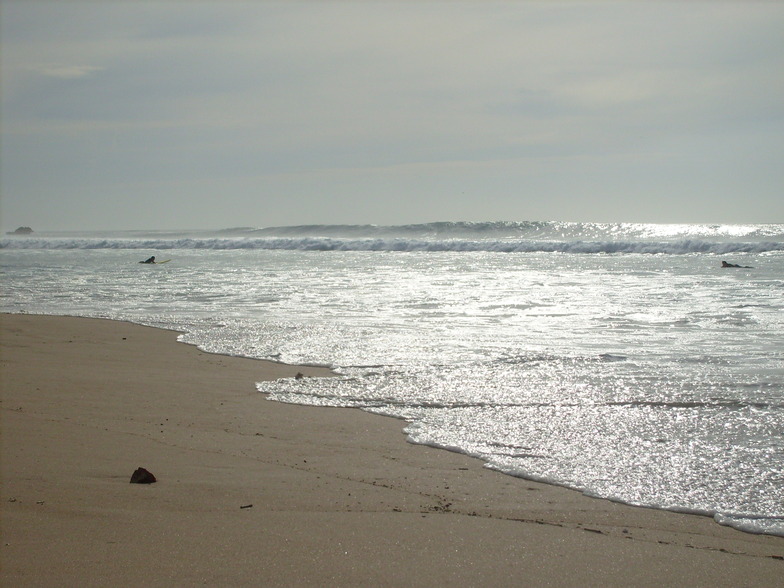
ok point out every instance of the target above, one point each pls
(142, 476)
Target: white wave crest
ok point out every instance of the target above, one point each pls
(404, 245)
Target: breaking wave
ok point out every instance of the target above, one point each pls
(502, 237)
(402, 245)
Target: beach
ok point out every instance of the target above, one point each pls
(254, 492)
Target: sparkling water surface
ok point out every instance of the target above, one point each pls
(653, 378)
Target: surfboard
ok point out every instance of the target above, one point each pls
(164, 261)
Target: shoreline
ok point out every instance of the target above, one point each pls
(339, 497)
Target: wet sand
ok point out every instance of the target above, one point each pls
(254, 492)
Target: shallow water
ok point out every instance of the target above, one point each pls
(649, 378)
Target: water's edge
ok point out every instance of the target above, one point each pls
(738, 524)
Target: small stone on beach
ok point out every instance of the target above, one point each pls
(142, 476)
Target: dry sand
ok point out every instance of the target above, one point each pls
(257, 493)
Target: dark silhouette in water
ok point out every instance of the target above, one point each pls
(150, 260)
(725, 264)
(21, 231)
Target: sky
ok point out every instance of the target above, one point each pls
(209, 115)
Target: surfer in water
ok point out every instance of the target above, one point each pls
(150, 260)
(725, 264)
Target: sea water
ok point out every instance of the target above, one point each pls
(618, 360)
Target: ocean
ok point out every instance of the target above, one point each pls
(620, 360)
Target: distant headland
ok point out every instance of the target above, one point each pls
(21, 231)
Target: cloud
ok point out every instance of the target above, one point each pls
(68, 72)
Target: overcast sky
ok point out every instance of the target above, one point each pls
(145, 115)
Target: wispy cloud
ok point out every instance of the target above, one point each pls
(68, 72)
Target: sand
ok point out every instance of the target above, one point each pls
(252, 492)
